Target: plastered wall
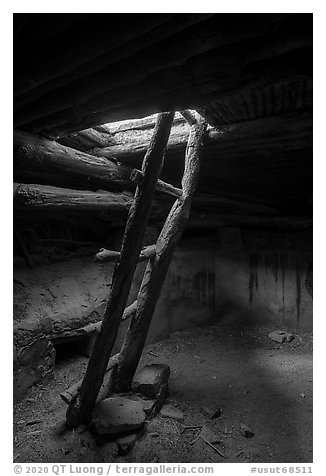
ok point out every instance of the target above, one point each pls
(230, 276)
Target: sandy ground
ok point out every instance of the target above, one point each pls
(254, 380)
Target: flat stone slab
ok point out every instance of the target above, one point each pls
(281, 336)
(117, 415)
(152, 381)
(150, 407)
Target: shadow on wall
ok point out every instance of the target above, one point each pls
(233, 279)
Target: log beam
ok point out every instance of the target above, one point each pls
(47, 161)
(167, 81)
(80, 410)
(38, 157)
(242, 138)
(23, 248)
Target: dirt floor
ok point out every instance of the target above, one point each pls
(254, 381)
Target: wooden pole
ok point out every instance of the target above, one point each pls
(70, 395)
(189, 117)
(109, 256)
(38, 157)
(156, 270)
(137, 176)
(80, 410)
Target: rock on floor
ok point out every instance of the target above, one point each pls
(152, 381)
(117, 415)
(246, 431)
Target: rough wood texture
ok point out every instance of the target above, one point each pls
(189, 117)
(129, 311)
(147, 253)
(38, 157)
(90, 328)
(137, 176)
(207, 61)
(278, 98)
(81, 408)
(88, 52)
(23, 248)
(109, 256)
(157, 268)
(263, 162)
(47, 197)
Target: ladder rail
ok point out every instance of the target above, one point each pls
(80, 409)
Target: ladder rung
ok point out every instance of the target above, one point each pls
(147, 253)
(137, 176)
(189, 117)
(109, 256)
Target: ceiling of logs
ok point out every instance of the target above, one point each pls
(249, 75)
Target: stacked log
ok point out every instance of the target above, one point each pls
(39, 158)
(185, 60)
(55, 176)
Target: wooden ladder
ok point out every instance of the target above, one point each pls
(159, 257)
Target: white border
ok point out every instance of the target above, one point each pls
(109, 6)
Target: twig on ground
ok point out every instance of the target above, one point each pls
(196, 439)
(31, 433)
(212, 446)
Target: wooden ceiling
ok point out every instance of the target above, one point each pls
(249, 75)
